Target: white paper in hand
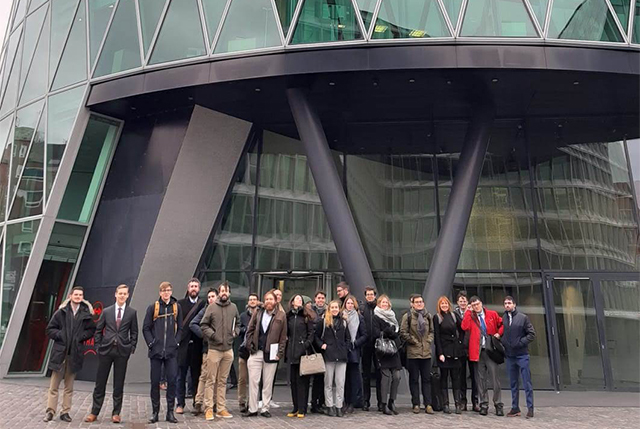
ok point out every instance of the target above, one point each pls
(273, 351)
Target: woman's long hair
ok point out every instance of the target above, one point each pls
(328, 317)
(442, 299)
(309, 314)
(353, 299)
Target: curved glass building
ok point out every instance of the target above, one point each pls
(421, 146)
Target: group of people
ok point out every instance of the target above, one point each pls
(358, 341)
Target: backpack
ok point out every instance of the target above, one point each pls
(156, 314)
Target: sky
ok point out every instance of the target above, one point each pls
(5, 8)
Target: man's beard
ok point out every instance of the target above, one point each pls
(193, 294)
(269, 307)
(223, 298)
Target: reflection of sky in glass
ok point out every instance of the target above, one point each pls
(634, 157)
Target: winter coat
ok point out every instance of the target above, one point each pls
(472, 324)
(187, 337)
(245, 318)
(449, 338)
(367, 314)
(465, 341)
(355, 348)
(388, 331)
(162, 334)
(68, 332)
(319, 310)
(417, 347)
(276, 334)
(517, 335)
(196, 330)
(220, 325)
(336, 338)
(300, 331)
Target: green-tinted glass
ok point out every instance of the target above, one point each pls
(61, 113)
(367, 8)
(326, 21)
(583, 20)
(73, 64)
(20, 11)
(36, 82)
(89, 170)
(121, 50)
(35, 4)
(150, 12)
(11, 89)
(249, 24)
(181, 33)
(497, 18)
(540, 10)
(410, 19)
(636, 24)
(30, 194)
(5, 163)
(286, 9)
(213, 10)
(11, 51)
(25, 127)
(452, 8)
(33, 26)
(99, 14)
(19, 240)
(621, 7)
(62, 13)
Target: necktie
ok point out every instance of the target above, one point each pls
(483, 326)
(119, 318)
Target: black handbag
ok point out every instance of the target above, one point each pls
(495, 350)
(385, 347)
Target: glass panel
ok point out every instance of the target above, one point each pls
(62, 13)
(89, 169)
(20, 11)
(62, 111)
(150, 12)
(11, 90)
(5, 163)
(452, 7)
(29, 196)
(11, 50)
(99, 14)
(621, 7)
(33, 26)
(399, 286)
(121, 50)
(367, 8)
(291, 284)
(622, 317)
(636, 24)
(35, 4)
(18, 243)
(326, 21)
(583, 20)
(540, 10)
(392, 198)
(249, 24)
(497, 18)
(36, 82)
(633, 146)
(49, 292)
(73, 64)
(580, 361)
(286, 9)
(292, 229)
(25, 127)
(213, 10)
(410, 19)
(586, 219)
(526, 289)
(181, 33)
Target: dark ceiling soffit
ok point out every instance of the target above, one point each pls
(369, 59)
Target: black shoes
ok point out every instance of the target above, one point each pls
(266, 414)
(339, 412)
(244, 409)
(381, 408)
(48, 417)
(499, 410)
(197, 409)
(349, 410)
(316, 410)
(387, 411)
(476, 408)
(458, 409)
(331, 411)
(445, 409)
(484, 411)
(393, 408)
(248, 414)
(171, 418)
(65, 417)
(530, 413)
(154, 417)
(463, 405)
(366, 406)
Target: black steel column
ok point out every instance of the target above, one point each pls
(454, 225)
(343, 228)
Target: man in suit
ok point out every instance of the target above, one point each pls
(115, 340)
(190, 350)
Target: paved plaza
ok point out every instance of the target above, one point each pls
(23, 401)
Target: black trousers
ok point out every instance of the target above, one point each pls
(119, 371)
(170, 366)
(317, 391)
(471, 366)
(193, 363)
(454, 375)
(419, 379)
(353, 386)
(299, 389)
(369, 357)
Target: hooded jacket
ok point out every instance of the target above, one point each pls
(68, 332)
(162, 334)
(517, 335)
(220, 325)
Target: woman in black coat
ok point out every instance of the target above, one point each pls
(358, 333)
(449, 351)
(300, 327)
(386, 325)
(332, 337)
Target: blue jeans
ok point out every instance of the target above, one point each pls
(515, 365)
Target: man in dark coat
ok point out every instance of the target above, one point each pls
(190, 350)
(317, 389)
(517, 333)
(368, 350)
(466, 364)
(115, 340)
(253, 302)
(71, 325)
(161, 329)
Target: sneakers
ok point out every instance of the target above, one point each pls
(300, 415)
(428, 409)
(292, 414)
(416, 409)
(484, 411)
(530, 413)
(224, 414)
(208, 415)
(513, 413)
(499, 410)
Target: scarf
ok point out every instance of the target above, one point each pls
(353, 321)
(422, 322)
(388, 316)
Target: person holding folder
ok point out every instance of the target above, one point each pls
(266, 339)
